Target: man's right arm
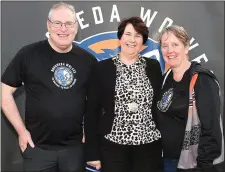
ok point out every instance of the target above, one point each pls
(11, 112)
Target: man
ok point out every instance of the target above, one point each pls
(55, 75)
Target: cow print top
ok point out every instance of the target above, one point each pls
(133, 124)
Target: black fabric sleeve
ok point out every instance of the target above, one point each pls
(158, 85)
(92, 152)
(159, 78)
(14, 73)
(208, 106)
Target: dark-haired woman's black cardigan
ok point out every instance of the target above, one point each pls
(99, 115)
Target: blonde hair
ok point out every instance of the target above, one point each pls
(178, 31)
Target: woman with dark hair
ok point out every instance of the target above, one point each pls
(120, 128)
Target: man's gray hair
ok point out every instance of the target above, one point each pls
(59, 5)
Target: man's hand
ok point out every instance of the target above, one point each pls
(24, 139)
(96, 164)
(12, 114)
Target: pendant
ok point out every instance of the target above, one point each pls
(133, 107)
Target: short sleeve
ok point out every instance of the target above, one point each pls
(14, 74)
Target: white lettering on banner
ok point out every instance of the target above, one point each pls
(98, 10)
(198, 59)
(148, 16)
(80, 20)
(193, 46)
(164, 24)
(115, 14)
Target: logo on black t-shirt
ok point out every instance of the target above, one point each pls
(63, 75)
(166, 100)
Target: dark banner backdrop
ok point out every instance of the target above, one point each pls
(25, 22)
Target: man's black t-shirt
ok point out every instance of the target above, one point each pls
(56, 88)
(172, 111)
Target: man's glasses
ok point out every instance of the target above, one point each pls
(58, 24)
